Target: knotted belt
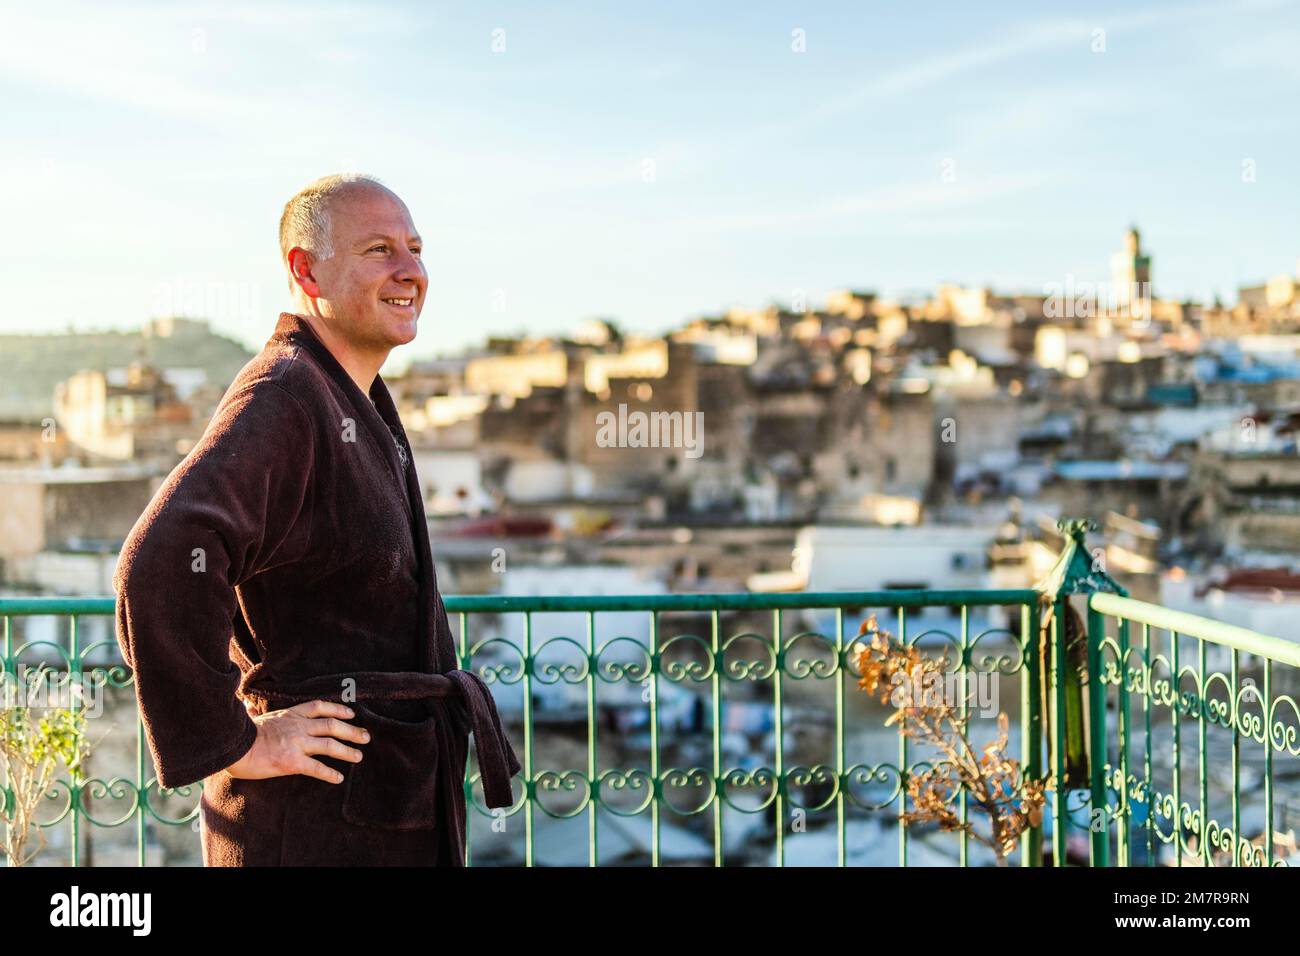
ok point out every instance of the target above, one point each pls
(478, 712)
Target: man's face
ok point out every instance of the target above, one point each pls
(373, 287)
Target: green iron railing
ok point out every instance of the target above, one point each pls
(780, 663)
(769, 660)
(1063, 716)
(1249, 713)
(1093, 731)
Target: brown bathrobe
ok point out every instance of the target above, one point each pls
(287, 559)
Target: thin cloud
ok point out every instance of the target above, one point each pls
(1025, 40)
(169, 60)
(885, 201)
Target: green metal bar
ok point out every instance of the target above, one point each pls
(592, 727)
(654, 739)
(1176, 719)
(506, 604)
(1268, 763)
(963, 848)
(1031, 726)
(779, 725)
(1236, 760)
(528, 738)
(1122, 728)
(911, 598)
(1202, 764)
(74, 666)
(5, 665)
(715, 644)
(1099, 837)
(1057, 689)
(1146, 753)
(840, 822)
(902, 762)
(34, 606)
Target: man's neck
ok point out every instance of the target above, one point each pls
(361, 366)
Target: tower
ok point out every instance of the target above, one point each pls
(1130, 277)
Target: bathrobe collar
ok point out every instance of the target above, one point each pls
(380, 415)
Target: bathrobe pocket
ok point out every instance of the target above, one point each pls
(395, 786)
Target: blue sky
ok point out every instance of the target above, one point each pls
(645, 162)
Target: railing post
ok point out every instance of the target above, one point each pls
(1031, 727)
(1076, 572)
(1098, 809)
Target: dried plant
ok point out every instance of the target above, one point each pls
(895, 671)
(32, 746)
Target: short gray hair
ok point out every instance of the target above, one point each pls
(306, 219)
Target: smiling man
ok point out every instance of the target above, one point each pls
(277, 599)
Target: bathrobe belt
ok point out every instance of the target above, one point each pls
(496, 758)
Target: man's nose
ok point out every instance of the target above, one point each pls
(409, 268)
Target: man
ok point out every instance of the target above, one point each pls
(293, 539)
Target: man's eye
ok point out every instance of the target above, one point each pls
(378, 248)
(415, 250)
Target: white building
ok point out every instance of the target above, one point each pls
(928, 557)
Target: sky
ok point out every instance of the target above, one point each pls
(647, 163)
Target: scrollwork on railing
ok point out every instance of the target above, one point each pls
(680, 671)
(761, 781)
(555, 672)
(822, 667)
(494, 671)
(1284, 736)
(1185, 821)
(1218, 710)
(1004, 663)
(1230, 709)
(118, 788)
(697, 778)
(865, 775)
(626, 781)
(634, 672)
(749, 670)
(550, 782)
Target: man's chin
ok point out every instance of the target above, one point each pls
(410, 333)
(402, 333)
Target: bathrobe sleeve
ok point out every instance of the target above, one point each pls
(224, 514)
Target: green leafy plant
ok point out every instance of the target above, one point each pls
(34, 742)
(998, 789)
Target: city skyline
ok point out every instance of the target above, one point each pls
(717, 167)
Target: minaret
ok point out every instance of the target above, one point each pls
(1130, 276)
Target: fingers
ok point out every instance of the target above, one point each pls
(322, 708)
(314, 768)
(333, 727)
(330, 748)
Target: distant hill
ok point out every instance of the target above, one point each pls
(31, 365)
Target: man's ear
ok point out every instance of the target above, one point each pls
(300, 269)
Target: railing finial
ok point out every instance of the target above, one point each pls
(1075, 527)
(1078, 571)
